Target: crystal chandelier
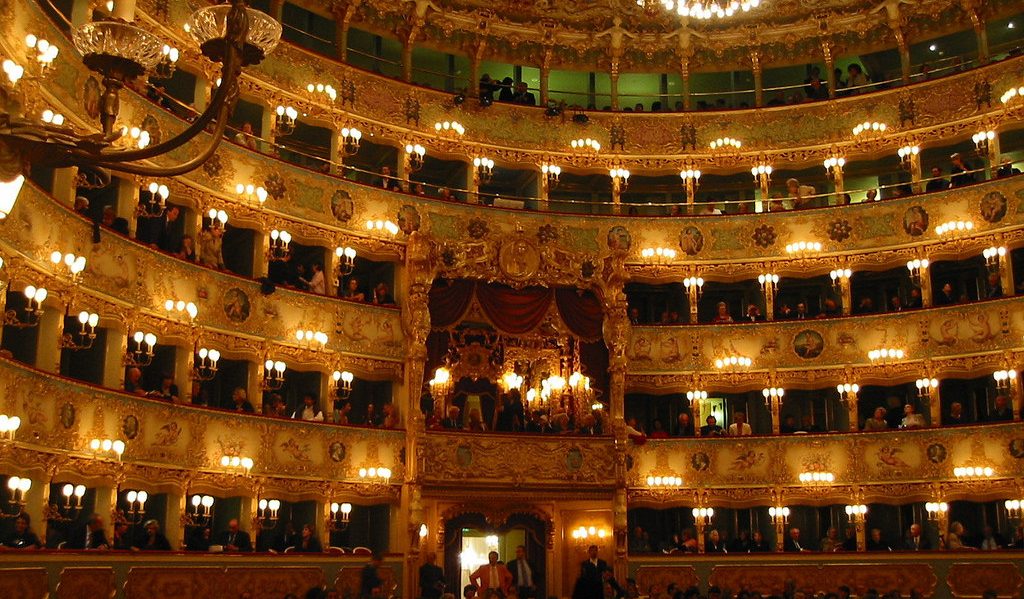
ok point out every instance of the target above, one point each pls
(699, 9)
(230, 34)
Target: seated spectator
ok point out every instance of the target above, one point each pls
(714, 544)
(419, 190)
(914, 302)
(639, 107)
(309, 412)
(956, 414)
(153, 540)
(233, 539)
(753, 314)
(523, 96)
(688, 543)
(955, 536)
(634, 316)
(658, 431)
(788, 426)
(372, 418)
(389, 418)
(911, 419)
(351, 291)
(722, 315)
(200, 539)
(850, 538)
(711, 429)
(801, 311)
(452, 421)
(994, 286)
(739, 427)
(807, 425)
(938, 182)
(685, 425)
(22, 536)
(990, 540)
(211, 245)
(792, 541)
(915, 540)
(1001, 411)
(117, 223)
(799, 195)
(639, 542)
(133, 381)
(386, 181)
(1018, 539)
(309, 542)
(814, 87)
(742, 543)
(758, 544)
(246, 137)
(168, 391)
(505, 93)
(1007, 170)
(871, 195)
(857, 78)
(877, 422)
(946, 295)
(188, 249)
(831, 309)
(382, 295)
(316, 282)
(240, 401)
(444, 193)
(875, 541)
(487, 88)
(474, 422)
(895, 305)
(82, 205)
(831, 541)
(276, 406)
(959, 175)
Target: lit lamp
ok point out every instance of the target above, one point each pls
(145, 349)
(218, 218)
(168, 62)
(840, 276)
(34, 297)
(284, 121)
(9, 425)
(346, 260)
(320, 91)
(925, 387)
(350, 137)
(703, 515)
(104, 448)
(779, 515)
(551, 172)
(834, 168)
(314, 340)
(85, 336)
(340, 515)
(658, 255)
(19, 488)
(483, 169)
(1005, 379)
(382, 227)
(936, 510)
(732, 362)
(375, 475)
(441, 386)
(251, 194)
(202, 510)
(133, 138)
(52, 118)
(848, 392)
(511, 380)
(694, 285)
(982, 141)
(690, 177)
(266, 513)
(156, 203)
(1014, 509)
(136, 505)
(9, 190)
(696, 396)
(917, 268)
(205, 367)
(620, 179)
(885, 355)
(68, 265)
(817, 478)
(585, 145)
(273, 375)
(975, 472)
(803, 248)
(908, 156)
(342, 383)
(723, 144)
(449, 129)
(178, 310)
(954, 228)
(857, 513)
(768, 282)
(672, 482)
(773, 396)
(762, 173)
(278, 250)
(869, 129)
(237, 464)
(414, 154)
(41, 52)
(992, 257)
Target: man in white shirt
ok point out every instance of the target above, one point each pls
(309, 412)
(317, 284)
(739, 426)
(522, 575)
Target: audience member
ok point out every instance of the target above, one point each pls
(492, 578)
(91, 536)
(432, 585)
(309, 412)
(523, 573)
(857, 78)
(523, 96)
(960, 174)
(713, 544)
(153, 540)
(685, 425)
(722, 315)
(246, 137)
(758, 544)
(831, 541)
(240, 401)
(875, 541)
(1001, 411)
(911, 419)
(308, 542)
(639, 541)
(955, 536)
(382, 295)
(133, 381)
(352, 292)
(22, 536)
(792, 541)
(937, 182)
(711, 429)
(233, 539)
(370, 583)
(915, 540)
(739, 427)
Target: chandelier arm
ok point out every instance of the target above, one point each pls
(164, 171)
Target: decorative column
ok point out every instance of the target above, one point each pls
(768, 282)
(620, 527)
(904, 49)
(545, 74)
(106, 505)
(845, 296)
(343, 13)
(851, 410)
(693, 292)
(975, 10)
(472, 184)
(407, 45)
(755, 65)
(48, 334)
(476, 56)
(1006, 278)
(261, 248)
(616, 338)
(175, 532)
(830, 65)
(616, 34)
(543, 189)
(684, 75)
(618, 185)
(925, 284)
(127, 202)
(614, 75)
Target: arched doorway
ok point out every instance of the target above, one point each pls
(470, 534)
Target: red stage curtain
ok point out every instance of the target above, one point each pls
(514, 311)
(449, 301)
(581, 311)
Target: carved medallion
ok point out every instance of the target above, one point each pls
(993, 207)
(130, 426)
(236, 305)
(519, 258)
(67, 415)
(808, 344)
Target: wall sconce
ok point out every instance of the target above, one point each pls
(13, 72)
(917, 268)
(52, 118)
(414, 154)
(103, 448)
(136, 505)
(278, 250)
(848, 392)
(218, 218)
(449, 129)
(424, 531)
(768, 282)
(857, 512)
(834, 167)
(662, 482)
(869, 128)
(698, 396)
(42, 52)
(703, 515)
(237, 464)
(350, 137)
(585, 145)
(342, 383)
(33, 309)
(202, 511)
(19, 488)
(762, 174)
(9, 191)
(587, 535)
(319, 92)
(731, 362)
(773, 395)
(1004, 379)
(690, 176)
(839, 275)
(273, 375)
(1014, 509)
(954, 227)
(165, 68)
(251, 194)
(483, 168)
(379, 226)
(992, 257)
(266, 513)
(375, 475)
(205, 367)
(86, 335)
(133, 138)
(936, 510)
(817, 477)
(725, 143)
(142, 355)
(907, 155)
(72, 505)
(313, 340)
(696, 283)
(803, 248)
(981, 141)
(441, 384)
(884, 355)
(340, 515)
(620, 178)
(779, 515)
(924, 388)
(512, 380)
(284, 120)
(68, 265)
(975, 472)
(551, 173)
(346, 260)
(155, 206)
(9, 425)
(658, 255)
(176, 310)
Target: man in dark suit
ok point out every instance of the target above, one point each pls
(524, 575)
(234, 539)
(792, 542)
(370, 583)
(590, 584)
(915, 540)
(431, 578)
(92, 537)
